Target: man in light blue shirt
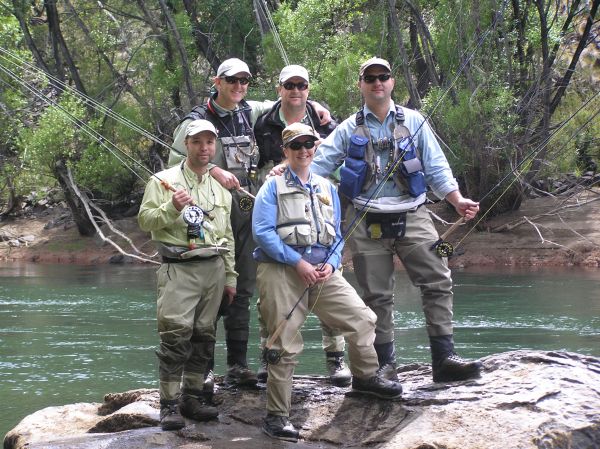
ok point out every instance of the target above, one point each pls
(390, 157)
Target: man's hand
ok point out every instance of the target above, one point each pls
(277, 170)
(307, 272)
(325, 272)
(323, 113)
(464, 206)
(225, 178)
(229, 294)
(181, 199)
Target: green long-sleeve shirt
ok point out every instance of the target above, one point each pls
(159, 216)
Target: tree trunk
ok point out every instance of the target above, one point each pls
(203, 44)
(415, 100)
(80, 216)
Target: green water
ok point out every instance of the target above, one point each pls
(71, 334)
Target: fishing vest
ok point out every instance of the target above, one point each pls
(237, 150)
(304, 218)
(361, 169)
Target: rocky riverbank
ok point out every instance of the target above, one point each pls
(524, 399)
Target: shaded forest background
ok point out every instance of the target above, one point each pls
(91, 91)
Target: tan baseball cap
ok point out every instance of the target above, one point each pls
(290, 71)
(374, 61)
(295, 130)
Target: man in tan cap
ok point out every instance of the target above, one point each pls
(391, 157)
(296, 225)
(292, 107)
(192, 230)
(234, 167)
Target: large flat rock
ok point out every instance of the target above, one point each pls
(525, 399)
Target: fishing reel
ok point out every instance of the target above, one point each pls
(444, 249)
(271, 356)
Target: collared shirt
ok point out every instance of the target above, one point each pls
(438, 175)
(264, 222)
(159, 216)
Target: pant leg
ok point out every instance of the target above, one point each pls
(338, 305)
(181, 291)
(203, 335)
(237, 320)
(374, 269)
(279, 288)
(427, 271)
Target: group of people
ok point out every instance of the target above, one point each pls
(229, 229)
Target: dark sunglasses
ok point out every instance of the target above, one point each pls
(290, 86)
(381, 77)
(298, 145)
(233, 80)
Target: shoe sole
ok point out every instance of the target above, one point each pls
(172, 427)
(340, 382)
(378, 395)
(467, 376)
(290, 439)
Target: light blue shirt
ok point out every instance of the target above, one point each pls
(264, 222)
(438, 175)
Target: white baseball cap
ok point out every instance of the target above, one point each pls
(197, 126)
(233, 66)
(291, 71)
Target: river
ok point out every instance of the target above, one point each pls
(73, 333)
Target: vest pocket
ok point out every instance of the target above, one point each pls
(352, 177)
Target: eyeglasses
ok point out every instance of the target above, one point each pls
(288, 85)
(381, 77)
(298, 145)
(233, 80)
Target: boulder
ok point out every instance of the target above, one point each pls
(524, 399)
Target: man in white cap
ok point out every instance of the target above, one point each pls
(292, 107)
(235, 165)
(296, 225)
(391, 157)
(192, 230)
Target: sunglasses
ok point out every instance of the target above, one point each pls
(381, 77)
(288, 85)
(233, 80)
(298, 145)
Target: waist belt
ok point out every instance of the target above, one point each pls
(191, 259)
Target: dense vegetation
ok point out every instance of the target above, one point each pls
(84, 81)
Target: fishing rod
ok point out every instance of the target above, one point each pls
(87, 100)
(444, 248)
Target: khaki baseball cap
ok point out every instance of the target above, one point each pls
(374, 61)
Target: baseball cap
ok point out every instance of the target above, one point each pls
(232, 66)
(295, 130)
(290, 71)
(197, 126)
(371, 62)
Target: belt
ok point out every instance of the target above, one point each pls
(191, 259)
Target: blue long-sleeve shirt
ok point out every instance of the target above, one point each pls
(438, 175)
(264, 222)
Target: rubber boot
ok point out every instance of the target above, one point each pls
(386, 356)
(447, 366)
(339, 374)
(238, 372)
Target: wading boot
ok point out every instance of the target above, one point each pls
(377, 386)
(170, 416)
(447, 366)
(240, 375)
(339, 374)
(281, 428)
(386, 356)
(194, 405)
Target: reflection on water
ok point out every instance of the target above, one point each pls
(71, 334)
